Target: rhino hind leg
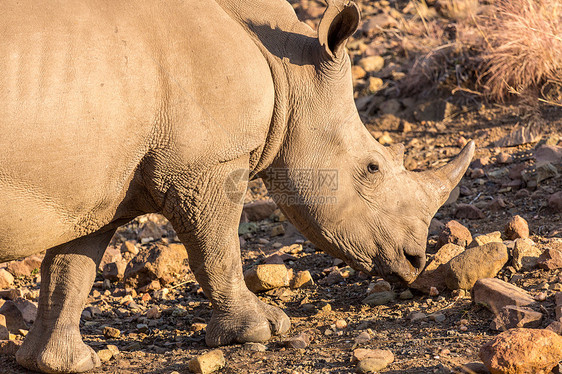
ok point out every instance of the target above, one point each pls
(209, 230)
(54, 344)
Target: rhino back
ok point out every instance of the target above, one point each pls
(87, 88)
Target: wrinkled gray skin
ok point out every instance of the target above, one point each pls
(112, 109)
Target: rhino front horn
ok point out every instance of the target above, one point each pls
(444, 179)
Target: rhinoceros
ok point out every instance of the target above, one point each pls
(113, 109)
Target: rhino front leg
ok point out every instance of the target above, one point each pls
(207, 224)
(54, 344)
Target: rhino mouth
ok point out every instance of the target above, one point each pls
(403, 269)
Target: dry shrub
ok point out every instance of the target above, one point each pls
(524, 51)
(449, 63)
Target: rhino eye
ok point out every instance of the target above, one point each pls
(372, 168)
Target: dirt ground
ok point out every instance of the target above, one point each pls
(421, 347)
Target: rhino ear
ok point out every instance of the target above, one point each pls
(339, 22)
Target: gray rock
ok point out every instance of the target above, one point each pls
(406, 295)
(255, 347)
(379, 298)
(437, 317)
(416, 317)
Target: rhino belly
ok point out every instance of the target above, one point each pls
(77, 110)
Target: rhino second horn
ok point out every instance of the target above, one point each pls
(444, 179)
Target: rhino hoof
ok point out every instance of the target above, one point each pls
(57, 358)
(249, 325)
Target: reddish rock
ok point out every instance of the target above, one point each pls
(433, 276)
(473, 368)
(378, 286)
(555, 202)
(18, 268)
(435, 227)
(522, 351)
(14, 316)
(24, 267)
(302, 279)
(159, 262)
(516, 171)
(259, 210)
(266, 277)
(480, 162)
(6, 279)
(360, 354)
(129, 247)
(151, 230)
(13, 293)
(517, 228)
(4, 332)
(558, 306)
(115, 271)
(111, 254)
(504, 158)
(10, 347)
(455, 233)
(497, 205)
(208, 362)
(299, 341)
(525, 254)
(492, 237)
(357, 72)
(335, 276)
(152, 286)
(555, 326)
(468, 211)
(496, 294)
(27, 308)
(511, 316)
(474, 264)
(477, 173)
(374, 24)
(551, 258)
(548, 154)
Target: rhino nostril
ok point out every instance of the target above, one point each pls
(417, 261)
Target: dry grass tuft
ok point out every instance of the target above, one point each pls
(498, 48)
(524, 51)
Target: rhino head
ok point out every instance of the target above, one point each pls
(345, 191)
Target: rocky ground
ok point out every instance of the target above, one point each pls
(145, 318)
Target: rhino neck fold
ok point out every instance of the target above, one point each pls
(285, 44)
